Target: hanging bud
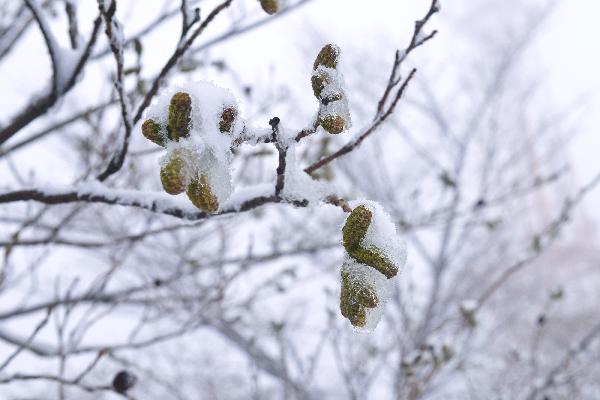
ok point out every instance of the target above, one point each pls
(123, 381)
(374, 258)
(356, 226)
(333, 124)
(180, 111)
(327, 57)
(200, 194)
(349, 307)
(227, 119)
(173, 174)
(270, 6)
(151, 131)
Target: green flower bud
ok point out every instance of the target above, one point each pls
(173, 174)
(356, 227)
(333, 124)
(270, 6)
(180, 111)
(328, 57)
(349, 307)
(373, 258)
(318, 81)
(151, 131)
(228, 117)
(200, 194)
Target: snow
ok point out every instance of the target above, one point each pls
(158, 201)
(243, 194)
(382, 234)
(298, 185)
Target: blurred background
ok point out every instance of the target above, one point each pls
(488, 167)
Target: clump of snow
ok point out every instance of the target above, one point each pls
(298, 185)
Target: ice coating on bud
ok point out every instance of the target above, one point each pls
(328, 56)
(374, 254)
(200, 194)
(180, 110)
(152, 131)
(270, 6)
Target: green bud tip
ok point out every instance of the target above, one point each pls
(356, 226)
(200, 194)
(328, 57)
(151, 131)
(173, 176)
(228, 117)
(270, 6)
(374, 258)
(180, 111)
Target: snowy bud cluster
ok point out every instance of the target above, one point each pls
(196, 126)
(327, 84)
(374, 255)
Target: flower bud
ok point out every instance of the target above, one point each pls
(173, 174)
(180, 111)
(356, 227)
(201, 195)
(270, 6)
(375, 259)
(151, 131)
(333, 124)
(328, 57)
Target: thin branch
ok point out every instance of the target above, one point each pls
(179, 52)
(348, 147)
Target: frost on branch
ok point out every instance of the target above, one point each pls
(327, 84)
(196, 126)
(374, 255)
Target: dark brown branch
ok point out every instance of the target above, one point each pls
(416, 41)
(281, 151)
(43, 104)
(140, 201)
